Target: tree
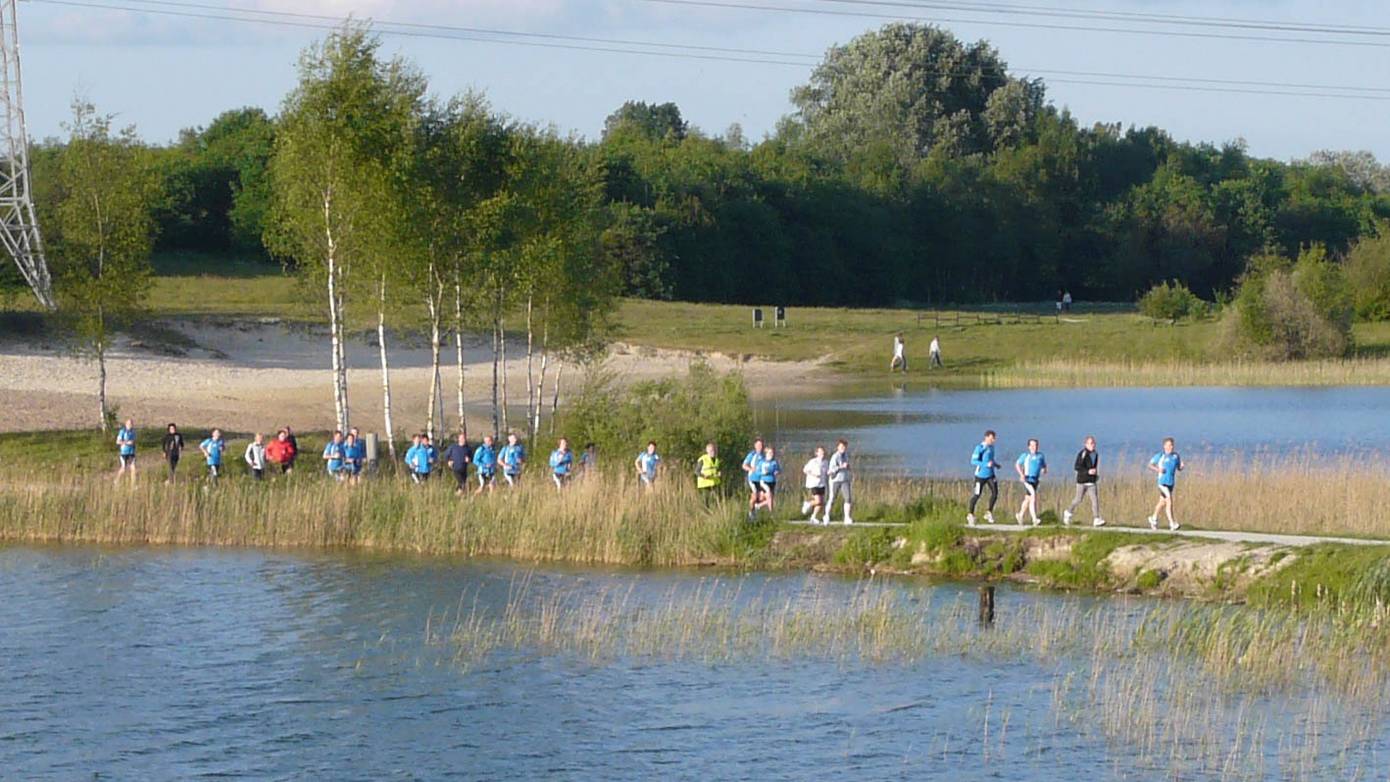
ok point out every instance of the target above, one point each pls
(658, 122)
(1368, 271)
(1294, 310)
(341, 131)
(100, 231)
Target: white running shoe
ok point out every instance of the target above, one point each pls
(989, 517)
(1099, 522)
(1019, 517)
(1153, 522)
(1173, 526)
(969, 519)
(847, 522)
(1036, 521)
(1066, 517)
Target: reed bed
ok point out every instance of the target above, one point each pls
(1069, 373)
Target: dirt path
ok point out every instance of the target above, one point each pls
(1227, 536)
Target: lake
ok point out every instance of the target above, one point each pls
(915, 431)
(176, 664)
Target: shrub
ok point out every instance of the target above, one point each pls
(1171, 301)
(1368, 272)
(1297, 310)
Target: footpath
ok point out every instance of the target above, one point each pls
(1228, 536)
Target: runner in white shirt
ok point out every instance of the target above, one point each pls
(815, 471)
(840, 481)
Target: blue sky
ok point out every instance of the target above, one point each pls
(163, 73)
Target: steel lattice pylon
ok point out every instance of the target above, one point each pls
(19, 230)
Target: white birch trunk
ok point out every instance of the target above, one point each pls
(385, 369)
(432, 301)
(496, 352)
(555, 400)
(502, 343)
(458, 347)
(334, 324)
(101, 383)
(530, 374)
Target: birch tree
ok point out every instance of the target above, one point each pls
(101, 234)
(343, 128)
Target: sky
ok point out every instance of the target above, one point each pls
(163, 73)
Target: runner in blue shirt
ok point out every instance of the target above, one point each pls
(1031, 466)
(410, 454)
(646, 463)
(769, 469)
(426, 457)
(212, 448)
(1167, 463)
(355, 452)
(485, 460)
(125, 441)
(335, 454)
(753, 471)
(561, 463)
(982, 459)
(512, 457)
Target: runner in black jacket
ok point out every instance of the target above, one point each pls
(1087, 474)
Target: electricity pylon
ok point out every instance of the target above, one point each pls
(19, 230)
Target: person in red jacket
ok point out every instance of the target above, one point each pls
(281, 451)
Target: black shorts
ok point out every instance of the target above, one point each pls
(127, 459)
(1033, 482)
(818, 491)
(1169, 490)
(768, 486)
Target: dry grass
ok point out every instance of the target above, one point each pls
(1066, 372)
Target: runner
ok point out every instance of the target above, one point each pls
(708, 473)
(355, 451)
(411, 456)
(294, 447)
(1087, 473)
(647, 463)
(1167, 464)
(212, 448)
(335, 457)
(983, 461)
(255, 456)
(1031, 467)
(426, 458)
(841, 480)
(173, 449)
(485, 459)
(281, 451)
(815, 472)
(512, 457)
(125, 442)
(899, 354)
(458, 457)
(588, 460)
(753, 469)
(767, 482)
(561, 463)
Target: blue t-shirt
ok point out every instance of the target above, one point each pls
(214, 450)
(1168, 465)
(561, 461)
(334, 453)
(486, 459)
(127, 448)
(754, 460)
(771, 468)
(511, 457)
(648, 463)
(1032, 464)
(983, 460)
(355, 452)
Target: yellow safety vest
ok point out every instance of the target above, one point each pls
(708, 475)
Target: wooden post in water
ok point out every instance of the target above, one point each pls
(986, 606)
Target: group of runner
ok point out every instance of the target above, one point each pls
(1031, 466)
(825, 478)
(282, 452)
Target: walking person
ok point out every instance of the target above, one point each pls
(841, 481)
(935, 349)
(1031, 467)
(281, 451)
(512, 457)
(816, 471)
(335, 457)
(212, 449)
(458, 457)
(708, 473)
(255, 456)
(1066, 301)
(753, 470)
(485, 461)
(767, 480)
(899, 354)
(561, 463)
(173, 450)
(647, 463)
(982, 459)
(1167, 463)
(1087, 467)
(125, 445)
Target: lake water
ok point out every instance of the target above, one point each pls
(191, 663)
(932, 431)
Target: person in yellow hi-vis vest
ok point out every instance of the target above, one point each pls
(708, 473)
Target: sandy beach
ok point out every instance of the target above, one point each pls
(260, 374)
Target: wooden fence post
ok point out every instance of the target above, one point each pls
(987, 605)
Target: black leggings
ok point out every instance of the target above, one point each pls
(462, 477)
(173, 460)
(980, 484)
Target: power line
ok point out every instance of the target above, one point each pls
(555, 41)
(751, 6)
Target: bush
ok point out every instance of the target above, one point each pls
(680, 414)
(1297, 310)
(1368, 272)
(1172, 301)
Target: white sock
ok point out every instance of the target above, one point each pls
(805, 506)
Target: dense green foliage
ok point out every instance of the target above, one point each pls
(1368, 271)
(1171, 301)
(1294, 310)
